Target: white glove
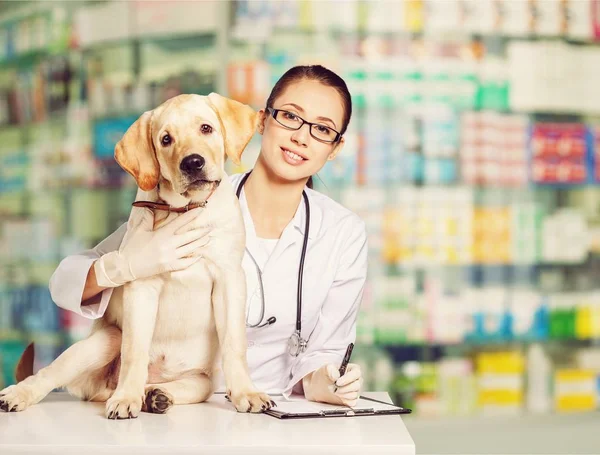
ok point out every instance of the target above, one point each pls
(148, 253)
(326, 386)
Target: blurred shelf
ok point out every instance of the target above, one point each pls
(575, 342)
(457, 36)
(11, 335)
(173, 42)
(435, 351)
(26, 59)
(45, 338)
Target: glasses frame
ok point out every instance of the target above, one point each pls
(274, 113)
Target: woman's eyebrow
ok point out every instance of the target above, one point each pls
(327, 119)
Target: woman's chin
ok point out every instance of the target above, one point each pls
(278, 168)
(289, 174)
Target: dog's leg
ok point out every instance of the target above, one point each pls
(229, 304)
(94, 352)
(140, 305)
(161, 397)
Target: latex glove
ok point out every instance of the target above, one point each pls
(148, 252)
(325, 385)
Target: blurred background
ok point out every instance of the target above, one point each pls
(472, 156)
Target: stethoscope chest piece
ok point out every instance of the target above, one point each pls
(296, 344)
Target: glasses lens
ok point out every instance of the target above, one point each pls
(288, 119)
(323, 133)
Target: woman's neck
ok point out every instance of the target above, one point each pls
(272, 202)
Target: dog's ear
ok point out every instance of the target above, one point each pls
(135, 153)
(238, 123)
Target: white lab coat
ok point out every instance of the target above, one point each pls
(335, 271)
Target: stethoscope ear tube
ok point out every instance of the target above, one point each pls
(270, 321)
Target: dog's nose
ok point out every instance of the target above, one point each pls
(192, 164)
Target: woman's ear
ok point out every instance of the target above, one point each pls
(262, 119)
(336, 149)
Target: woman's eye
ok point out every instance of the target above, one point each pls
(166, 140)
(323, 129)
(289, 116)
(206, 129)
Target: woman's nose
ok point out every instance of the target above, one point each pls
(301, 136)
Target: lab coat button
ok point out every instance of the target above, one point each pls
(250, 343)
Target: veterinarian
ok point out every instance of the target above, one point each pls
(297, 333)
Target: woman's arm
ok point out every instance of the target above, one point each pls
(336, 327)
(73, 284)
(91, 287)
(83, 282)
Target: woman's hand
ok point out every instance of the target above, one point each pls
(326, 386)
(150, 252)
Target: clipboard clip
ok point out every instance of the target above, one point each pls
(347, 413)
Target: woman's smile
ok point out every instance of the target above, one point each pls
(291, 157)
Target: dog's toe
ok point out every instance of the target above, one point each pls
(253, 402)
(157, 401)
(123, 408)
(15, 398)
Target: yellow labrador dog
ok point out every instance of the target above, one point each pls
(159, 341)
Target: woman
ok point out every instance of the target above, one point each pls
(275, 212)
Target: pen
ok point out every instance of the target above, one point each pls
(345, 361)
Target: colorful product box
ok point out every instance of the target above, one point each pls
(595, 144)
(500, 378)
(494, 149)
(492, 242)
(429, 226)
(575, 390)
(560, 154)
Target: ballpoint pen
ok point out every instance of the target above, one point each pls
(345, 362)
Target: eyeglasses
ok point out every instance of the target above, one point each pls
(291, 121)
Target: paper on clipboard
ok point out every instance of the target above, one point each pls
(305, 407)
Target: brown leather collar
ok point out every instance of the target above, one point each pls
(167, 207)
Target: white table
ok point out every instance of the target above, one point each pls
(63, 425)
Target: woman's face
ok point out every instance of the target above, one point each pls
(295, 154)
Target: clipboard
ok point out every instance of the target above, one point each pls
(303, 409)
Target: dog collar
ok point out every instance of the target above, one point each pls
(169, 208)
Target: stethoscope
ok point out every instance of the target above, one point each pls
(296, 344)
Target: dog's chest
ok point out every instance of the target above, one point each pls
(185, 304)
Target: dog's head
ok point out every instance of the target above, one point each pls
(184, 143)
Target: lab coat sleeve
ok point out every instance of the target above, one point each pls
(336, 327)
(68, 280)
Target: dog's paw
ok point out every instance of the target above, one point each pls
(251, 401)
(123, 407)
(16, 398)
(157, 401)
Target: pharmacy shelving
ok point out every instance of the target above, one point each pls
(479, 253)
(455, 234)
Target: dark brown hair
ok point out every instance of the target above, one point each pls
(324, 76)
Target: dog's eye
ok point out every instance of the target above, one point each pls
(166, 140)
(206, 129)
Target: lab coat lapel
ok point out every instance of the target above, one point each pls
(251, 240)
(290, 236)
(294, 233)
